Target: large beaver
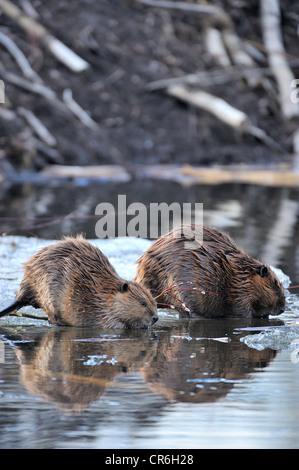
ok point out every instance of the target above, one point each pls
(212, 275)
(75, 284)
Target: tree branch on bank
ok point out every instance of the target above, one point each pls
(39, 128)
(63, 53)
(222, 110)
(217, 106)
(19, 57)
(207, 78)
(270, 20)
(33, 87)
(216, 48)
(217, 12)
(76, 109)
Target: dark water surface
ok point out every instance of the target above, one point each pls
(183, 384)
(263, 220)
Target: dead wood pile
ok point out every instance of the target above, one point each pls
(148, 81)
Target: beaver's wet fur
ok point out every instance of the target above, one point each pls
(76, 285)
(226, 281)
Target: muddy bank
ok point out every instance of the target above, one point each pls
(129, 45)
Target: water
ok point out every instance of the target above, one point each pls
(176, 386)
(183, 384)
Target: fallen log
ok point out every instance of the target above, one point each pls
(281, 176)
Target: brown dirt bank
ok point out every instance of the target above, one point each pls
(129, 45)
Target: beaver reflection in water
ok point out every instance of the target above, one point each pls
(214, 277)
(76, 285)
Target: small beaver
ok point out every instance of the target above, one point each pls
(213, 276)
(76, 285)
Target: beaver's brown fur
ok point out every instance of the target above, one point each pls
(226, 281)
(75, 284)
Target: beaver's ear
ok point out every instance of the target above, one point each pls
(264, 271)
(124, 287)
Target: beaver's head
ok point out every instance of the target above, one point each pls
(257, 291)
(132, 306)
(268, 296)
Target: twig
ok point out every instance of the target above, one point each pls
(33, 87)
(296, 142)
(52, 154)
(270, 19)
(296, 151)
(37, 126)
(76, 109)
(217, 76)
(240, 56)
(223, 111)
(66, 55)
(19, 57)
(7, 114)
(207, 9)
(28, 315)
(215, 47)
(217, 106)
(235, 48)
(111, 172)
(29, 9)
(56, 47)
(260, 134)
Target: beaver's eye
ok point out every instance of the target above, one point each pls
(264, 271)
(124, 287)
(142, 303)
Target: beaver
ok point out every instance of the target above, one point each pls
(76, 285)
(213, 276)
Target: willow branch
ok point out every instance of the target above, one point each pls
(76, 109)
(63, 53)
(36, 124)
(19, 57)
(216, 106)
(206, 9)
(223, 111)
(270, 19)
(34, 87)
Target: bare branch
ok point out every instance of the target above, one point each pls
(21, 82)
(270, 19)
(207, 9)
(223, 111)
(213, 77)
(76, 109)
(19, 57)
(216, 106)
(39, 128)
(216, 48)
(32, 27)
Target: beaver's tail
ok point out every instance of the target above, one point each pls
(11, 308)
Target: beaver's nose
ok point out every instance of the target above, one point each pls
(154, 319)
